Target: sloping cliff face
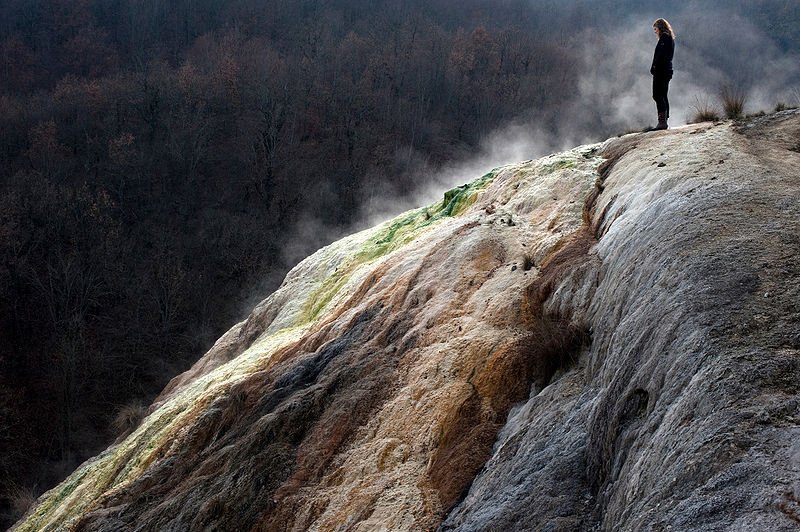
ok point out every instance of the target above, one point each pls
(603, 339)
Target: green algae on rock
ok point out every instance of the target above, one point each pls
(391, 236)
(579, 368)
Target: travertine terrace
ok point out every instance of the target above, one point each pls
(603, 339)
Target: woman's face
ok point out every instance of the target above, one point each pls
(656, 31)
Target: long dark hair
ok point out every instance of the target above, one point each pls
(663, 26)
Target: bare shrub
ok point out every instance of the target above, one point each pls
(22, 499)
(559, 343)
(704, 110)
(527, 263)
(128, 418)
(733, 99)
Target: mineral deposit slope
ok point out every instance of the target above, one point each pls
(602, 339)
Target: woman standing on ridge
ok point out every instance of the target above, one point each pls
(661, 69)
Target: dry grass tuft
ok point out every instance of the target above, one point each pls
(527, 263)
(128, 418)
(22, 500)
(704, 110)
(560, 343)
(733, 100)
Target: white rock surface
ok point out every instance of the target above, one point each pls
(564, 344)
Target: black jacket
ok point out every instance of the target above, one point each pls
(662, 58)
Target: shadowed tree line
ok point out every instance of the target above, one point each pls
(157, 157)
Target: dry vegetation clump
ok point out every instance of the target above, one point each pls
(528, 263)
(22, 499)
(704, 110)
(560, 342)
(733, 100)
(784, 106)
(790, 506)
(128, 418)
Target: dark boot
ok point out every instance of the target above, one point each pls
(662, 121)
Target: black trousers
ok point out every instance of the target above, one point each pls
(660, 89)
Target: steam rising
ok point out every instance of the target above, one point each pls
(517, 142)
(713, 48)
(716, 45)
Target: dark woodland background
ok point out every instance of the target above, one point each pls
(158, 158)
